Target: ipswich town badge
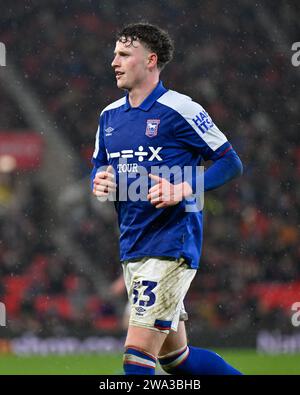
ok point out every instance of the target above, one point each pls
(152, 127)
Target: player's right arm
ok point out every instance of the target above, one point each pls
(102, 175)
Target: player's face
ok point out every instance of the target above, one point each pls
(130, 64)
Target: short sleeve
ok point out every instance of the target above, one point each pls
(194, 127)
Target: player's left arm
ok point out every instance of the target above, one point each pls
(224, 168)
(195, 129)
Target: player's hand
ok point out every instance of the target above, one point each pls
(103, 183)
(164, 194)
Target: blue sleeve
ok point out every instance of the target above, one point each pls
(195, 129)
(223, 169)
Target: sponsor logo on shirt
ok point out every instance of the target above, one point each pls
(203, 121)
(140, 154)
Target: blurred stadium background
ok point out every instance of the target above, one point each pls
(58, 245)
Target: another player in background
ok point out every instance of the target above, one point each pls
(160, 240)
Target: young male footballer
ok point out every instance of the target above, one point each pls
(160, 239)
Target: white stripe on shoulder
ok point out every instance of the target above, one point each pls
(115, 104)
(96, 150)
(196, 116)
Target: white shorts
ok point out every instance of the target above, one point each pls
(156, 289)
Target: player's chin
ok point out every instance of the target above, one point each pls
(121, 84)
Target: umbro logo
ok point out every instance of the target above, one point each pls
(108, 131)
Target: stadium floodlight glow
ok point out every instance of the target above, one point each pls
(2, 54)
(7, 163)
(2, 314)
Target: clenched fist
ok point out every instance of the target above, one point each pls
(164, 194)
(104, 183)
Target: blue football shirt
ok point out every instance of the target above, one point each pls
(167, 129)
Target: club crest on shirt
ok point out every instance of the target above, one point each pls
(152, 127)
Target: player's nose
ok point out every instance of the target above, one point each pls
(115, 62)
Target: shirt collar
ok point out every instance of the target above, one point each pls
(149, 100)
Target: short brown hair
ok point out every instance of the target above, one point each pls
(153, 37)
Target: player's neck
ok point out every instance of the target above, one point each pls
(139, 93)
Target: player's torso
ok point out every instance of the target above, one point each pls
(138, 138)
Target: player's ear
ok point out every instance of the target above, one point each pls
(152, 59)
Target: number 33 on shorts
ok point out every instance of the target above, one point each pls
(142, 293)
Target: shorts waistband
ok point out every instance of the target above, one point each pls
(145, 258)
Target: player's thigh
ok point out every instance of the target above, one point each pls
(175, 340)
(146, 339)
